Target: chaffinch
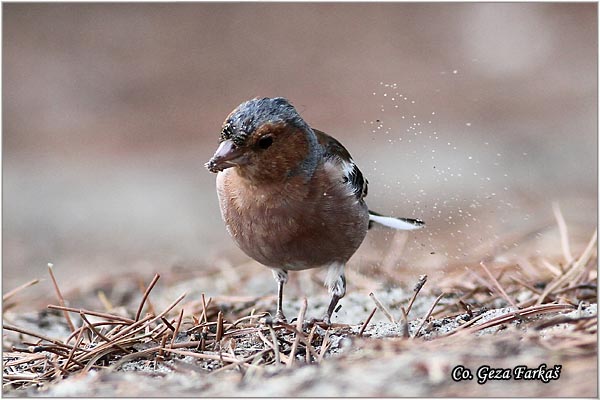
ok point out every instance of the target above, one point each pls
(291, 196)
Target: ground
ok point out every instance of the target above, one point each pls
(166, 336)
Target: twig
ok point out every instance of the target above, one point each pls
(553, 270)
(382, 308)
(241, 362)
(420, 283)
(97, 357)
(309, 348)
(202, 356)
(105, 349)
(93, 328)
(94, 313)
(405, 333)
(169, 308)
(219, 326)
(24, 377)
(576, 287)
(23, 360)
(573, 271)
(503, 269)
(182, 345)
(132, 328)
(248, 317)
(498, 286)
(429, 312)
(177, 326)
(37, 335)
(539, 309)
(362, 329)
(145, 297)
(299, 323)
(238, 332)
(204, 313)
(61, 299)
(561, 319)
(275, 345)
(74, 334)
(525, 285)
(300, 333)
(104, 300)
(163, 342)
(57, 370)
(72, 352)
(97, 332)
(324, 346)
(125, 334)
(11, 293)
(167, 324)
(118, 326)
(564, 234)
(203, 338)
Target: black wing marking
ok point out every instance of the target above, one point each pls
(336, 151)
(357, 181)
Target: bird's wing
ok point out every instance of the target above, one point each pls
(335, 151)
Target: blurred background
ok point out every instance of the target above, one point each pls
(475, 117)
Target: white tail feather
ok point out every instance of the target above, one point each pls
(396, 223)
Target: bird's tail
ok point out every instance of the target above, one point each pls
(406, 224)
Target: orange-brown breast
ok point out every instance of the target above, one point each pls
(296, 224)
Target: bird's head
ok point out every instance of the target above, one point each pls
(264, 139)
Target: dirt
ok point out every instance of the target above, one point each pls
(381, 362)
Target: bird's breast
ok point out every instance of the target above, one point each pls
(295, 225)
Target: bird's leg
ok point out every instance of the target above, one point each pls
(281, 277)
(336, 283)
(279, 314)
(334, 300)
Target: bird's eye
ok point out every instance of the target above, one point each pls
(265, 142)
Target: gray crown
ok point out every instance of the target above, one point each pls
(252, 114)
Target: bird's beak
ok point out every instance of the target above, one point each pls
(227, 155)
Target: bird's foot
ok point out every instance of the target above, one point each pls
(279, 317)
(324, 322)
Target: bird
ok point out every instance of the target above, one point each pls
(291, 196)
